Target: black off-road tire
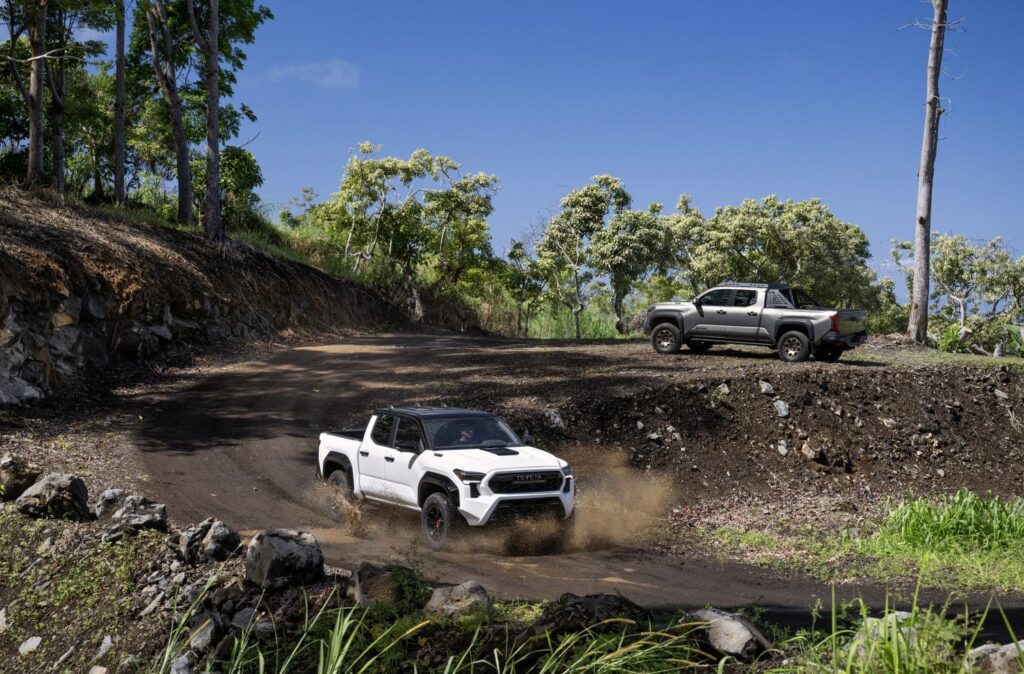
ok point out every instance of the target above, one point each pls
(828, 354)
(794, 347)
(340, 481)
(698, 346)
(665, 338)
(440, 521)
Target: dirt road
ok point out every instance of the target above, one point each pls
(241, 444)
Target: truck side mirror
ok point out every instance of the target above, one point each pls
(526, 437)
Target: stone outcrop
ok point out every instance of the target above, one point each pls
(278, 558)
(57, 496)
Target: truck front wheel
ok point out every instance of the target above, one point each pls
(665, 338)
(794, 347)
(439, 520)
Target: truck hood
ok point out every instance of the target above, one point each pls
(498, 458)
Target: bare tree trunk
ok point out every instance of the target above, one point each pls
(119, 109)
(576, 311)
(36, 17)
(57, 82)
(917, 328)
(209, 46)
(162, 47)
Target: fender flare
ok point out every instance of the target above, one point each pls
(336, 460)
(438, 480)
(676, 318)
(785, 325)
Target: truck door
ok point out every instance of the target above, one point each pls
(372, 457)
(712, 317)
(401, 463)
(745, 315)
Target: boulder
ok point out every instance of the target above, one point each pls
(184, 664)
(373, 584)
(138, 513)
(15, 390)
(730, 634)
(283, 557)
(572, 613)
(56, 495)
(996, 659)
(554, 418)
(16, 475)
(109, 502)
(459, 600)
(210, 540)
(204, 630)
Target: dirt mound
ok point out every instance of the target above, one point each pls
(79, 288)
(847, 429)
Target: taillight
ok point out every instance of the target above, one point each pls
(835, 322)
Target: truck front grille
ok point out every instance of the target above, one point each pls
(524, 483)
(509, 509)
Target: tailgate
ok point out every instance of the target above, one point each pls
(852, 322)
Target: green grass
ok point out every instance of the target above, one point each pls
(958, 542)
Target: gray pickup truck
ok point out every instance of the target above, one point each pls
(766, 314)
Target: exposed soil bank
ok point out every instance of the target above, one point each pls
(80, 288)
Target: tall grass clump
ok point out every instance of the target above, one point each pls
(962, 541)
(963, 521)
(921, 639)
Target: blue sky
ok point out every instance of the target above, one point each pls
(722, 100)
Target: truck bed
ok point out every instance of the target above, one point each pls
(350, 433)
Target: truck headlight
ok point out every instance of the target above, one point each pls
(567, 471)
(469, 477)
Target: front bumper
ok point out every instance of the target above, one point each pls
(487, 507)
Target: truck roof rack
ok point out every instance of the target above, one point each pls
(746, 284)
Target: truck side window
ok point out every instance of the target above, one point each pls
(408, 437)
(745, 298)
(382, 430)
(716, 298)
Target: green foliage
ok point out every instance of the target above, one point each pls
(799, 242)
(978, 289)
(951, 340)
(963, 521)
(858, 642)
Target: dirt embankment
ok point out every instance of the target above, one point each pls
(79, 289)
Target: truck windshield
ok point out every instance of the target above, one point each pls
(469, 432)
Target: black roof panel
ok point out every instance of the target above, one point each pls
(434, 412)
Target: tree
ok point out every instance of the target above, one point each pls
(457, 213)
(66, 60)
(525, 281)
(977, 290)
(120, 195)
(917, 327)
(28, 17)
(801, 242)
(564, 250)
(631, 246)
(163, 49)
(208, 44)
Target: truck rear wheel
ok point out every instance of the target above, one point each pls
(439, 520)
(665, 338)
(341, 497)
(794, 347)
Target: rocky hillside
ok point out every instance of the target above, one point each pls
(80, 288)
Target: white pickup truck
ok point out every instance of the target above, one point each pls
(454, 466)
